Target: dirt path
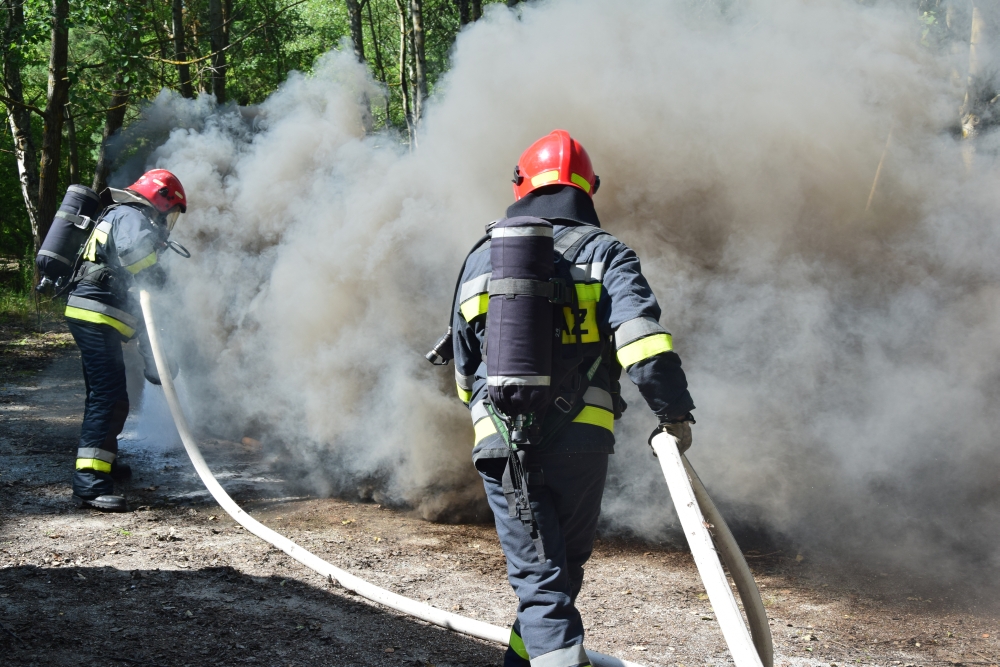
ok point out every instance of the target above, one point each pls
(176, 582)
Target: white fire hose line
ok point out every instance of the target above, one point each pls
(424, 612)
(696, 530)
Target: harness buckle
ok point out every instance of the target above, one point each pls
(564, 410)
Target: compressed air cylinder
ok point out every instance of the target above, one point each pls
(69, 231)
(519, 321)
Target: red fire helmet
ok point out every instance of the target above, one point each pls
(555, 159)
(162, 189)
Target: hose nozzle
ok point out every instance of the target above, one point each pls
(442, 351)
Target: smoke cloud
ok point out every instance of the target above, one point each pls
(843, 347)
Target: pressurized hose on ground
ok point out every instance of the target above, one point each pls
(424, 612)
(699, 518)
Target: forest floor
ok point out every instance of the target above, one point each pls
(177, 582)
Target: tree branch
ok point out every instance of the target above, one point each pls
(229, 46)
(9, 102)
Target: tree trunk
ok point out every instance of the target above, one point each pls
(463, 12)
(73, 158)
(219, 41)
(112, 123)
(379, 64)
(357, 36)
(58, 94)
(19, 117)
(477, 10)
(358, 39)
(403, 87)
(180, 51)
(419, 61)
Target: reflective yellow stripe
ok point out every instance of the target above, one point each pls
(466, 396)
(545, 177)
(75, 313)
(143, 263)
(588, 291)
(484, 428)
(581, 181)
(588, 295)
(597, 417)
(517, 645)
(90, 251)
(645, 348)
(476, 306)
(93, 464)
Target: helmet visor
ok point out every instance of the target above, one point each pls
(171, 219)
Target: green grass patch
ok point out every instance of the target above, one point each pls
(19, 306)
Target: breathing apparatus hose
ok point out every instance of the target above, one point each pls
(424, 612)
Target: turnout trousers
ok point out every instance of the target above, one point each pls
(105, 409)
(548, 631)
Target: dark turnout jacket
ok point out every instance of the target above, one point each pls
(124, 246)
(620, 318)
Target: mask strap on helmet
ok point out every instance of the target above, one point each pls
(518, 178)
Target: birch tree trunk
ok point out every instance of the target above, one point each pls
(419, 61)
(971, 105)
(219, 41)
(403, 87)
(180, 49)
(19, 116)
(58, 94)
(112, 123)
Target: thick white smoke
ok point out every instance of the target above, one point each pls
(843, 360)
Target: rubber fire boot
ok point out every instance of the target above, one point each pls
(107, 503)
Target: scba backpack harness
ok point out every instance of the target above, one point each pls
(528, 369)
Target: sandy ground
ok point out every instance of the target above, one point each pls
(177, 582)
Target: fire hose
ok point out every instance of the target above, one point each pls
(480, 629)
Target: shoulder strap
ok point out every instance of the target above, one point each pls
(571, 242)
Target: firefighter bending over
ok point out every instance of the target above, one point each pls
(102, 313)
(568, 308)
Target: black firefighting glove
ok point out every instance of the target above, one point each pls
(149, 369)
(680, 428)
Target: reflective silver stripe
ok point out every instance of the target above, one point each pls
(527, 230)
(570, 237)
(587, 272)
(95, 453)
(598, 397)
(479, 412)
(136, 254)
(570, 656)
(464, 381)
(527, 381)
(471, 288)
(98, 307)
(633, 330)
(104, 226)
(58, 258)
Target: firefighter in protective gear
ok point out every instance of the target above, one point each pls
(102, 312)
(615, 326)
